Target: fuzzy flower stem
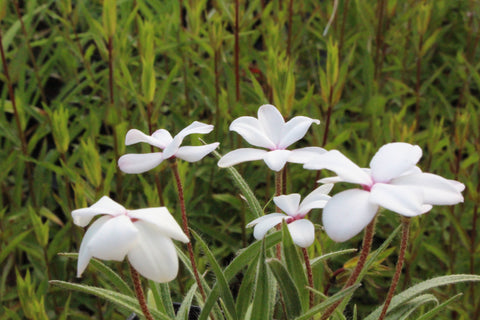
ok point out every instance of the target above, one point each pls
(278, 191)
(309, 275)
(181, 199)
(398, 268)
(139, 292)
(367, 245)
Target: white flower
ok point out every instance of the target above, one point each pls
(138, 163)
(301, 230)
(271, 132)
(144, 235)
(393, 182)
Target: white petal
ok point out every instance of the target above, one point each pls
(154, 255)
(405, 200)
(347, 213)
(240, 155)
(436, 189)
(316, 199)
(302, 232)
(304, 155)
(335, 161)
(393, 159)
(194, 127)
(295, 130)
(276, 159)
(162, 219)
(195, 153)
(82, 217)
(135, 136)
(288, 203)
(265, 217)
(252, 131)
(84, 254)
(272, 123)
(163, 138)
(330, 180)
(113, 239)
(262, 227)
(139, 162)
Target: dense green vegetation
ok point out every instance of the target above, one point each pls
(372, 71)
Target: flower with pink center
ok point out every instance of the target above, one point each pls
(143, 235)
(271, 132)
(301, 229)
(393, 182)
(170, 146)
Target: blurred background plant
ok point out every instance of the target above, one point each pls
(77, 75)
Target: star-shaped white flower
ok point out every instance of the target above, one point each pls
(393, 182)
(301, 229)
(271, 132)
(138, 163)
(144, 235)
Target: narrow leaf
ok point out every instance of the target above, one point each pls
(289, 291)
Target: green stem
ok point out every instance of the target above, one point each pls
(181, 199)
(398, 268)
(139, 292)
(362, 259)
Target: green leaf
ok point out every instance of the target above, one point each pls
(225, 292)
(430, 314)
(404, 311)
(331, 300)
(421, 287)
(317, 260)
(289, 291)
(110, 275)
(161, 295)
(252, 201)
(183, 312)
(246, 287)
(294, 265)
(12, 245)
(261, 297)
(123, 301)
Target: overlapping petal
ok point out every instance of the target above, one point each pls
(163, 221)
(241, 155)
(294, 130)
(84, 254)
(347, 213)
(304, 155)
(436, 189)
(195, 127)
(393, 159)
(271, 220)
(272, 123)
(302, 232)
(335, 161)
(276, 159)
(139, 162)
(195, 153)
(288, 203)
(318, 198)
(405, 200)
(135, 136)
(251, 130)
(82, 217)
(154, 255)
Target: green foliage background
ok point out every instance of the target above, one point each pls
(84, 73)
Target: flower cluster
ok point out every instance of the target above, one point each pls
(393, 182)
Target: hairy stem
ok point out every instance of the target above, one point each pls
(309, 275)
(181, 199)
(139, 292)
(367, 245)
(398, 268)
(236, 53)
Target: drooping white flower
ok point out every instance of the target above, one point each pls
(301, 229)
(393, 182)
(271, 132)
(143, 235)
(138, 163)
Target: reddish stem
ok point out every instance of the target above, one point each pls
(309, 275)
(139, 292)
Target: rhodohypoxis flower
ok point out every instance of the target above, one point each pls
(138, 163)
(144, 235)
(393, 182)
(271, 132)
(301, 229)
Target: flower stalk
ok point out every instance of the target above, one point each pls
(181, 199)
(308, 266)
(362, 259)
(139, 293)
(398, 268)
